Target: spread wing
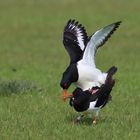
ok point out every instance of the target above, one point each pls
(74, 40)
(96, 40)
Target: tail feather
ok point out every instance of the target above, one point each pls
(105, 90)
(112, 70)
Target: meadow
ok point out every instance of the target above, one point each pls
(32, 60)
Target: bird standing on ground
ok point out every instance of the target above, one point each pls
(82, 50)
(92, 101)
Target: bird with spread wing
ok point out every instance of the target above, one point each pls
(82, 70)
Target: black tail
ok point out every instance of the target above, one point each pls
(111, 72)
(105, 90)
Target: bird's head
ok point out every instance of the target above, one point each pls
(69, 76)
(80, 99)
(77, 93)
(66, 80)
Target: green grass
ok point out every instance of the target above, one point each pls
(31, 43)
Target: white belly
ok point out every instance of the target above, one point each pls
(89, 76)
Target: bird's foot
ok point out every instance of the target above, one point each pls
(94, 120)
(78, 119)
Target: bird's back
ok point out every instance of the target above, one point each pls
(89, 76)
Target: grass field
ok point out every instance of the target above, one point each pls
(32, 59)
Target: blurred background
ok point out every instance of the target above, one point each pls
(32, 60)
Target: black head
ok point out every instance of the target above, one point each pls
(80, 99)
(69, 76)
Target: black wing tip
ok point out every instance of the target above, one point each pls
(117, 24)
(72, 21)
(76, 23)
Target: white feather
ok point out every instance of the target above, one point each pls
(92, 106)
(79, 36)
(89, 76)
(80, 39)
(96, 40)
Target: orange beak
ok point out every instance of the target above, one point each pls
(64, 95)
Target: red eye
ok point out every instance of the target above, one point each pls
(65, 84)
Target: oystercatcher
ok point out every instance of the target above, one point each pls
(82, 50)
(89, 100)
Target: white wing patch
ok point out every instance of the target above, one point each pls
(92, 105)
(80, 39)
(79, 35)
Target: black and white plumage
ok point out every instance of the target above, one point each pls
(88, 101)
(82, 50)
(74, 39)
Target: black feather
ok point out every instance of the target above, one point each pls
(70, 40)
